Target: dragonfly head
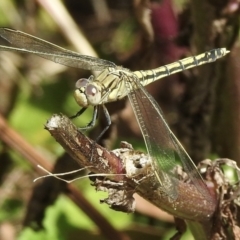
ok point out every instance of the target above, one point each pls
(87, 93)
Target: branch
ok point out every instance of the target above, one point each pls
(130, 168)
(128, 171)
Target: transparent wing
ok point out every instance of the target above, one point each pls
(25, 43)
(162, 145)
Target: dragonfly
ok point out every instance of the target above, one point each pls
(114, 83)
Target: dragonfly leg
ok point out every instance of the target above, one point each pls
(108, 118)
(93, 121)
(78, 113)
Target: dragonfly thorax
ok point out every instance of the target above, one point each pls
(87, 93)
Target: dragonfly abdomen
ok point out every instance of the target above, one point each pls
(149, 76)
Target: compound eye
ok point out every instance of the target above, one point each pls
(93, 94)
(91, 90)
(82, 82)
